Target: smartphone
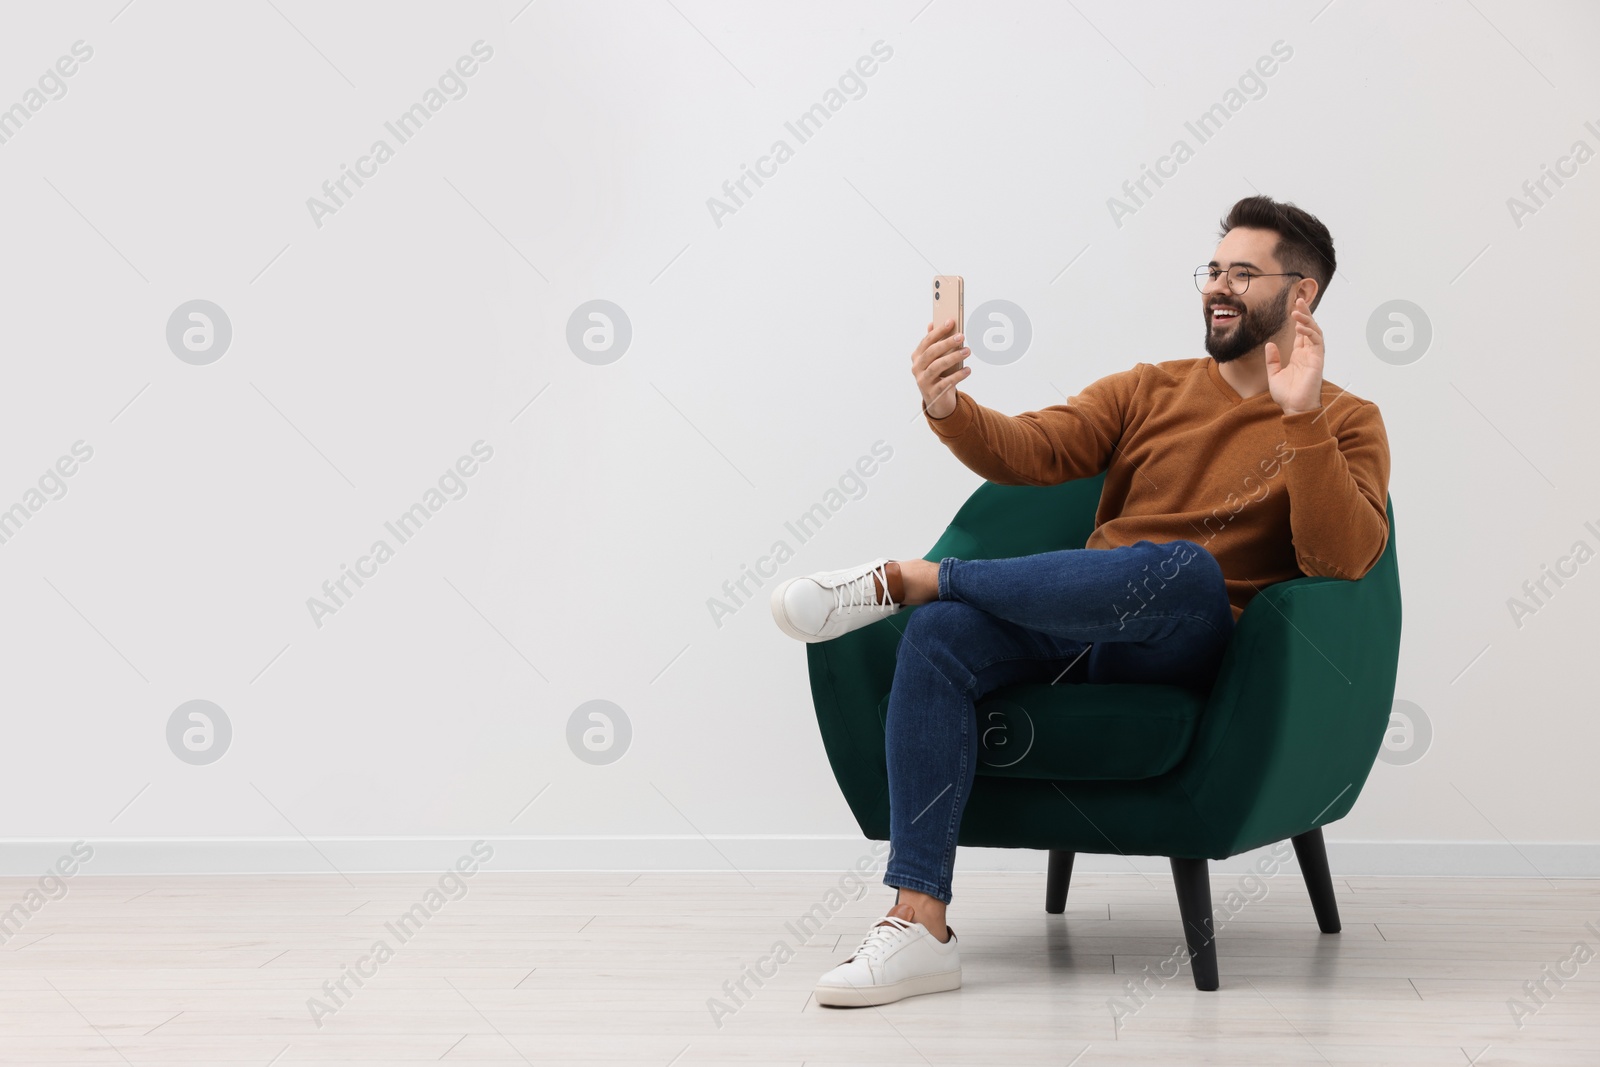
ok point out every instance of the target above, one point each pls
(948, 304)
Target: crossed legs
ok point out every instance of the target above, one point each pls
(1148, 612)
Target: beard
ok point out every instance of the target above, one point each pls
(1251, 329)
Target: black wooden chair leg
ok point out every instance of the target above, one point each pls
(1194, 905)
(1056, 881)
(1312, 853)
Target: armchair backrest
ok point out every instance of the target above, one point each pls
(1001, 521)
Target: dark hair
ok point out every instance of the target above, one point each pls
(1304, 243)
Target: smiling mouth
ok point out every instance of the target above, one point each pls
(1222, 314)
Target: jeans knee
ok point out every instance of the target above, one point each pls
(1204, 572)
(1191, 557)
(938, 621)
(936, 636)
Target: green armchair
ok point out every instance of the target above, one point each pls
(1280, 746)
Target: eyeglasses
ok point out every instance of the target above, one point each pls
(1238, 278)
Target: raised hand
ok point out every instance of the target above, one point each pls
(1296, 386)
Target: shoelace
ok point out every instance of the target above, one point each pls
(861, 593)
(881, 937)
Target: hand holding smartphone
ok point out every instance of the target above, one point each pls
(939, 361)
(948, 298)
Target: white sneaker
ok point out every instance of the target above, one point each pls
(896, 959)
(822, 606)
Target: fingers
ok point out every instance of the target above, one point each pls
(946, 385)
(930, 350)
(943, 348)
(933, 334)
(936, 369)
(1305, 327)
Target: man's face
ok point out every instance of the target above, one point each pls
(1237, 323)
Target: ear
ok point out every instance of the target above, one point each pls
(1306, 287)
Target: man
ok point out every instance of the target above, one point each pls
(1224, 474)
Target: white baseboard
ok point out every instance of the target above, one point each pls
(729, 852)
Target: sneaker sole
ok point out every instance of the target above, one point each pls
(869, 996)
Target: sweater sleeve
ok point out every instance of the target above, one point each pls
(1338, 483)
(1046, 447)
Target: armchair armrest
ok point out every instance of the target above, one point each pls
(1300, 705)
(850, 674)
(1000, 521)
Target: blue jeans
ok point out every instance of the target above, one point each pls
(1145, 612)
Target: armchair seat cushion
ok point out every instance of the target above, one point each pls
(1083, 732)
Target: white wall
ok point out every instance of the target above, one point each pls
(372, 350)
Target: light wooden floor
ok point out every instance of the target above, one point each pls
(596, 968)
